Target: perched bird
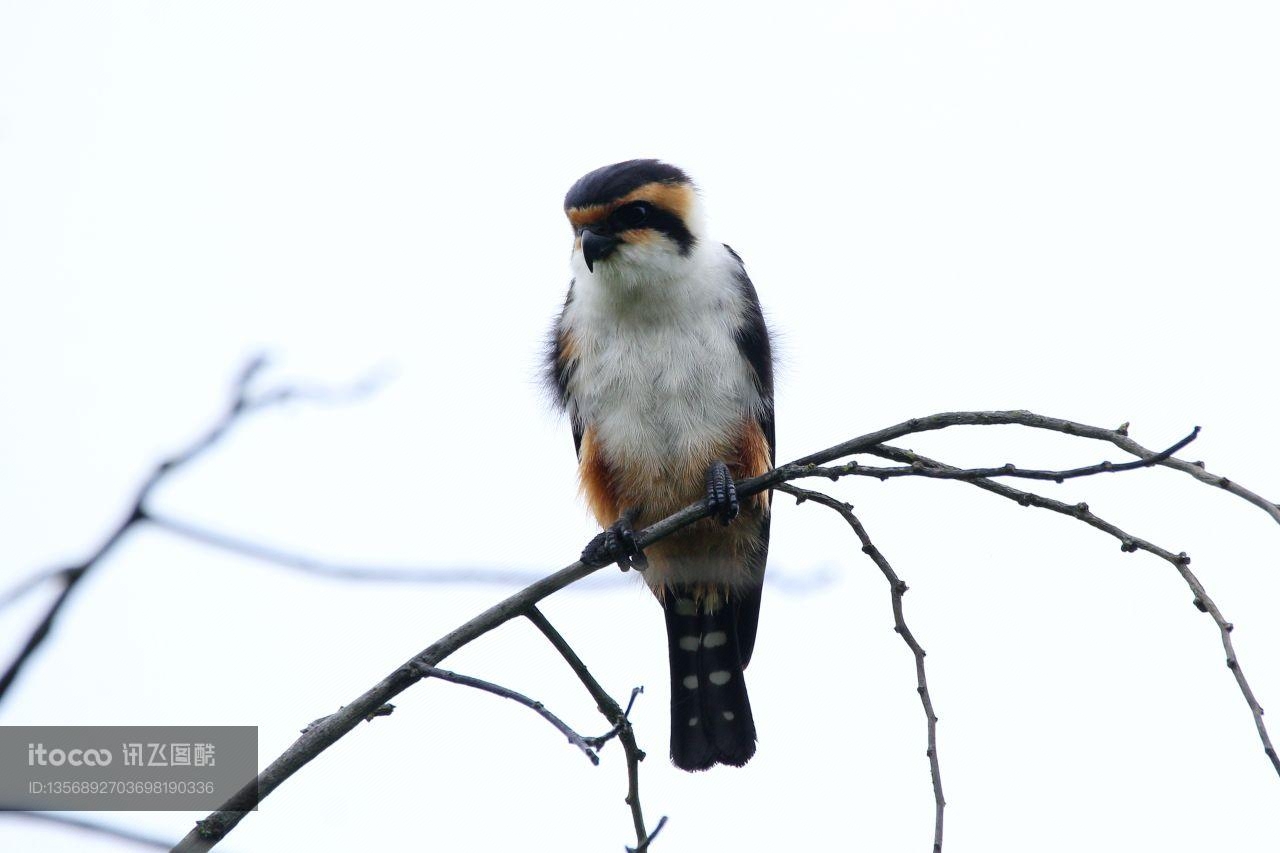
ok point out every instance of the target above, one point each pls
(662, 360)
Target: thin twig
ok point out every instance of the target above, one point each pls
(613, 714)
(507, 693)
(22, 587)
(648, 841)
(242, 403)
(330, 570)
(896, 590)
(1006, 470)
(118, 833)
(600, 740)
(1119, 437)
(1128, 543)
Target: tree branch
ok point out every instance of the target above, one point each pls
(917, 469)
(331, 570)
(897, 588)
(70, 822)
(1128, 544)
(242, 403)
(498, 690)
(615, 715)
(325, 732)
(1119, 437)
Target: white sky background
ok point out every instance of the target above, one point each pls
(1064, 207)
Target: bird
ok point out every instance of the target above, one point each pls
(663, 362)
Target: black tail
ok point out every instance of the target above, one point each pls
(710, 713)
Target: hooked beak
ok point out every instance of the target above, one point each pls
(596, 247)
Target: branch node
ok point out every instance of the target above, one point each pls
(1199, 603)
(380, 711)
(1123, 429)
(1128, 546)
(1182, 558)
(211, 828)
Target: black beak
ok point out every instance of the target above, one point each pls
(597, 247)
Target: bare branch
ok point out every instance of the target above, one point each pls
(896, 590)
(1006, 470)
(1119, 437)
(662, 821)
(80, 824)
(612, 713)
(1128, 543)
(331, 570)
(324, 733)
(600, 740)
(242, 402)
(498, 690)
(22, 587)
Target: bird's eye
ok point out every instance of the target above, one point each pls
(631, 215)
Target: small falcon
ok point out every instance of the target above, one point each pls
(661, 358)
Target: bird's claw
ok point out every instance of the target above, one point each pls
(616, 544)
(722, 495)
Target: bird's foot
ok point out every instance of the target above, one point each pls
(722, 495)
(616, 544)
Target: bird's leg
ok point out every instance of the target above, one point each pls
(617, 543)
(722, 495)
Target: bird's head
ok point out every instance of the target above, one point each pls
(634, 221)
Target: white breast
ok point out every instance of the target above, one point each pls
(659, 378)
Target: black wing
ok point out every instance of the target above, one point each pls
(559, 369)
(753, 343)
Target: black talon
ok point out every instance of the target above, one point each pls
(722, 495)
(616, 544)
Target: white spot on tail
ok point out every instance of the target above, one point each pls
(715, 638)
(693, 721)
(686, 607)
(720, 677)
(728, 715)
(689, 644)
(691, 681)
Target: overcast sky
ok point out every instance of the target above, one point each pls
(1069, 208)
